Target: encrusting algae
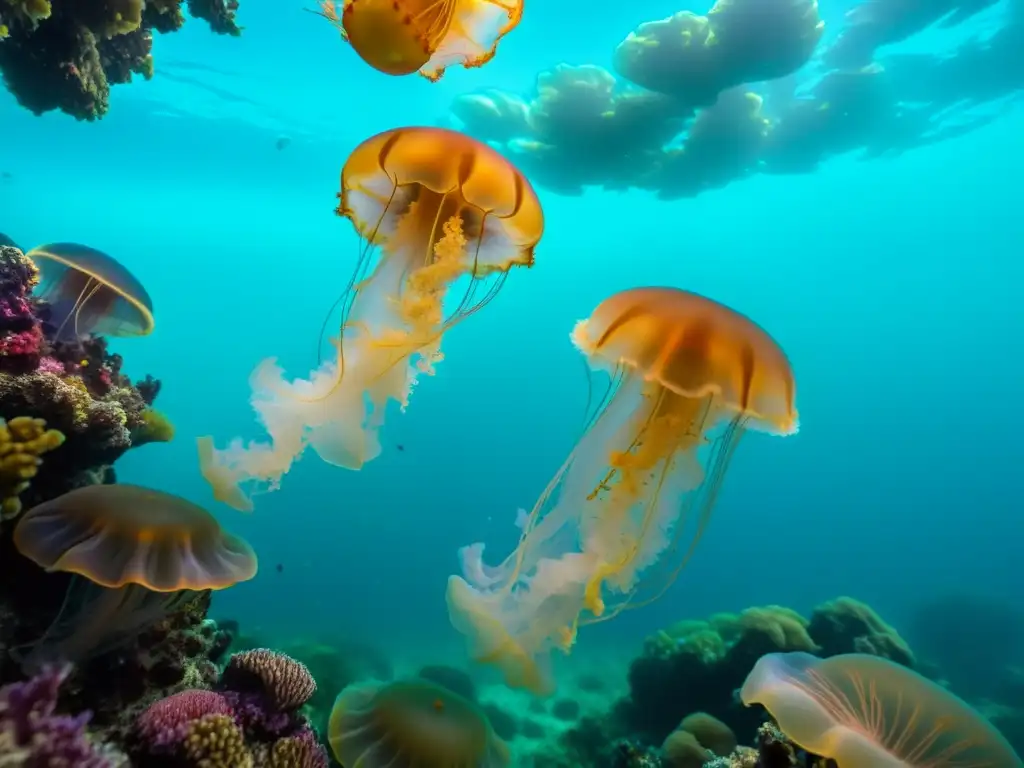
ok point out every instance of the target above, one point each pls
(23, 440)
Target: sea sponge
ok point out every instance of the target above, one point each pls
(22, 441)
(710, 732)
(845, 625)
(682, 750)
(33, 11)
(286, 682)
(155, 427)
(214, 741)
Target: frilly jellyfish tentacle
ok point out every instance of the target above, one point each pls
(625, 512)
(435, 209)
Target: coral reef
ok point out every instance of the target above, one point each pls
(682, 709)
(34, 736)
(67, 413)
(252, 718)
(77, 387)
(66, 54)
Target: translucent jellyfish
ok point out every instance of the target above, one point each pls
(411, 723)
(399, 37)
(89, 292)
(436, 211)
(138, 554)
(94, 620)
(868, 712)
(116, 535)
(625, 512)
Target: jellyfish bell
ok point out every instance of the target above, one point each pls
(115, 535)
(442, 220)
(399, 37)
(626, 511)
(863, 711)
(136, 555)
(411, 722)
(89, 292)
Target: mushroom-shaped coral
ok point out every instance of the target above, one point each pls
(864, 711)
(627, 509)
(286, 682)
(710, 732)
(89, 292)
(23, 441)
(414, 722)
(399, 37)
(116, 535)
(682, 750)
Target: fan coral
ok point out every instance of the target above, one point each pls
(22, 442)
(214, 741)
(31, 735)
(286, 682)
(67, 56)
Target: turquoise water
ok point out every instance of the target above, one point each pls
(892, 284)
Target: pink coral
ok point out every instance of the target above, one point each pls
(51, 365)
(21, 343)
(166, 722)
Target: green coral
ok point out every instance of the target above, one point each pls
(154, 427)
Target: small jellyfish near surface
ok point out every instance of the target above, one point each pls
(400, 37)
(625, 512)
(442, 219)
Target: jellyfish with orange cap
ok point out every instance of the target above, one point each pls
(626, 510)
(442, 220)
(399, 37)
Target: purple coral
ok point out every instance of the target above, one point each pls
(165, 723)
(32, 736)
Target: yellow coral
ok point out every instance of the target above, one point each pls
(289, 753)
(22, 441)
(155, 428)
(215, 741)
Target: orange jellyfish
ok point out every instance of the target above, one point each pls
(864, 712)
(625, 512)
(136, 554)
(89, 292)
(399, 37)
(435, 210)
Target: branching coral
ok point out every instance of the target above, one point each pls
(23, 441)
(66, 54)
(32, 734)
